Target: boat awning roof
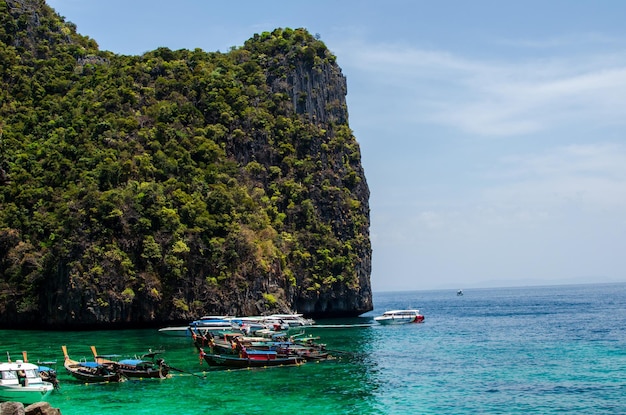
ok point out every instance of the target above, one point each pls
(132, 362)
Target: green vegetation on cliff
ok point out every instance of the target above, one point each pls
(160, 187)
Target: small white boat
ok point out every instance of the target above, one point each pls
(400, 317)
(186, 331)
(248, 325)
(206, 323)
(181, 331)
(21, 382)
(294, 320)
(213, 321)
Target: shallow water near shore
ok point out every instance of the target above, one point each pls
(542, 350)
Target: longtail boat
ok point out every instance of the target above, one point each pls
(248, 359)
(305, 349)
(148, 366)
(91, 372)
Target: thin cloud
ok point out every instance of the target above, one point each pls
(562, 186)
(590, 177)
(557, 43)
(493, 98)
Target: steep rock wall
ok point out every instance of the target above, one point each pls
(150, 190)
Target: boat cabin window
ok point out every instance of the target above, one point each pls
(9, 374)
(30, 373)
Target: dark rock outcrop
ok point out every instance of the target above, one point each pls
(38, 408)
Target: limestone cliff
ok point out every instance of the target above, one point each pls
(145, 190)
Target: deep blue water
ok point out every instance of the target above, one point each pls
(515, 350)
(540, 350)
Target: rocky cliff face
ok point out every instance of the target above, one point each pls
(317, 89)
(151, 190)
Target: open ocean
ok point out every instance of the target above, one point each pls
(539, 350)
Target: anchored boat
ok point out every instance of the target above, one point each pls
(400, 317)
(91, 372)
(20, 382)
(148, 366)
(251, 358)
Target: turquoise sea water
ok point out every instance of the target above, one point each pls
(542, 350)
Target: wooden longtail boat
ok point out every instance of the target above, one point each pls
(91, 372)
(146, 367)
(256, 358)
(305, 349)
(306, 353)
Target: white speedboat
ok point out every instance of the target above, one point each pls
(248, 325)
(225, 322)
(186, 331)
(400, 317)
(21, 382)
(294, 320)
(181, 331)
(206, 323)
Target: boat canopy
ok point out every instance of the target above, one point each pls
(90, 364)
(131, 362)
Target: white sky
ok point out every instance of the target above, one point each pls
(492, 132)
